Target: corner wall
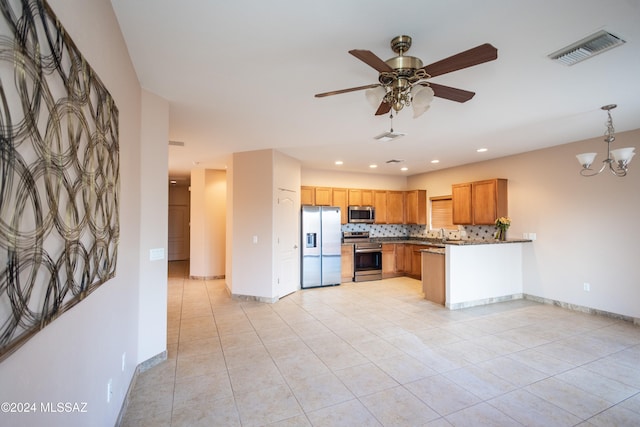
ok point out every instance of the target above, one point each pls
(208, 223)
(252, 232)
(152, 327)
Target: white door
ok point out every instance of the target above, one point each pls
(287, 220)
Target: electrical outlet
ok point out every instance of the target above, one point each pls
(586, 286)
(124, 360)
(109, 390)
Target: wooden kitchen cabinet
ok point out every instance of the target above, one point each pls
(416, 207)
(461, 203)
(395, 207)
(380, 203)
(433, 277)
(389, 268)
(307, 196)
(347, 263)
(479, 203)
(489, 200)
(400, 258)
(416, 262)
(404, 255)
(322, 196)
(359, 197)
(340, 198)
(392, 207)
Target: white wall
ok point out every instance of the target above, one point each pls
(208, 227)
(338, 179)
(154, 201)
(252, 189)
(586, 227)
(73, 358)
(216, 195)
(254, 178)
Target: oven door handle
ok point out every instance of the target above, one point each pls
(367, 251)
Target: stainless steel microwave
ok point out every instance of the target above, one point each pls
(362, 214)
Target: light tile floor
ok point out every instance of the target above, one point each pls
(378, 354)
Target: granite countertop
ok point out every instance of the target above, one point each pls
(440, 244)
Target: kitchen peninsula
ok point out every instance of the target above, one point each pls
(473, 272)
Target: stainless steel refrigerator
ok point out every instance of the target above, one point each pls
(321, 246)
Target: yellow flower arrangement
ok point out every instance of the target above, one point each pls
(502, 223)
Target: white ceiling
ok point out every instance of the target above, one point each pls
(240, 75)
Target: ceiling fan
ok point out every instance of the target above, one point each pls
(404, 81)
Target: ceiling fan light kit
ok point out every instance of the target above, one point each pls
(617, 160)
(404, 81)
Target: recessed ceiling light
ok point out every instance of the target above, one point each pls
(435, 161)
(482, 150)
(339, 162)
(373, 166)
(404, 169)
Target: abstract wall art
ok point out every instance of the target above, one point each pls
(59, 173)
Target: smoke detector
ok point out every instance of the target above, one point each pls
(586, 48)
(388, 136)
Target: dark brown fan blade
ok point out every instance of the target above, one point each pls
(384, 108)
(451, 93)
(468, 58)
(351, 89)
(371, 60)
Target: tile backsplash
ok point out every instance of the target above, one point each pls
(475, 232)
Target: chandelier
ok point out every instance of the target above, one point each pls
(617, 160)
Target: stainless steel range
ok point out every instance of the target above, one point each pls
(367, 259)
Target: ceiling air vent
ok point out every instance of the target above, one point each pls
(395, 161)
(586, 48)
(176, 143)
(388, 136)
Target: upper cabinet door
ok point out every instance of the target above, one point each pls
(416, 207)
(380, 203)
(307, 196)
(340, 198)
(461, 203)
(479, 203)
(323, 196)
(489, 201)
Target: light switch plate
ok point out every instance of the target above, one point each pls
(156, 254)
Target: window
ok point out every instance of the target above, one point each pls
(441, 216)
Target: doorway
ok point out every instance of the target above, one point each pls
(178, 223)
